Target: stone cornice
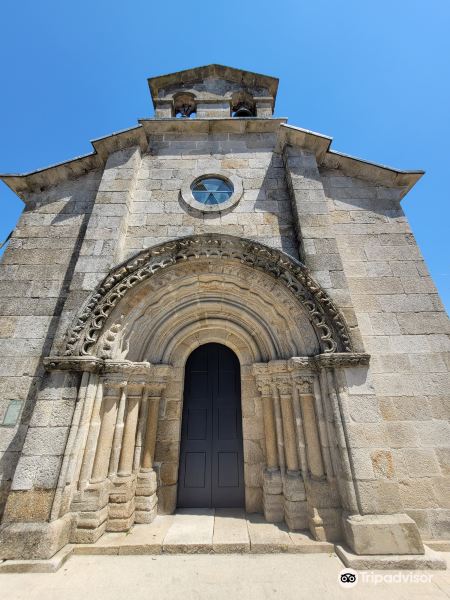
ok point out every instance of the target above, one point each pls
(141, 135)
(342, 359)
(245, 78)
(320, 144)
(36, 181)
(214, 125)
(92, 364)
(307, 365)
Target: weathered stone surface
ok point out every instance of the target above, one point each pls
(50, 565)
(230, 531)
(191, 531)
(375, 430)
(428, 560)
(34, 540)
(382, 534)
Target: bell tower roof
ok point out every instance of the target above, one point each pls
(214, 88)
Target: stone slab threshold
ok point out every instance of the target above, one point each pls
(216, 531)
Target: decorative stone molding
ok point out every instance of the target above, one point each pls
(153, 375)
(341, 359)
(301, 363)
(90, 364)
(323, 314)
(186, 191)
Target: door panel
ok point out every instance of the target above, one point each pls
(195, 471)
(211, 470)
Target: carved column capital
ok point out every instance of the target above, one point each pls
(304, 385)
(283, 384)
(155, 389)
(263, 383)
(114, 381)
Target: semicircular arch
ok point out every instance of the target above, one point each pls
(212, 276)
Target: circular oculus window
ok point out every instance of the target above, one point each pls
(214, 192)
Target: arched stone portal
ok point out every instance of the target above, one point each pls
(136, 333)
(128, 348)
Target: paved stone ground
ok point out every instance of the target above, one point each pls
(206, 530)
(205, 576)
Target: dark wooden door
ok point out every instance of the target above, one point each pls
(211, 470)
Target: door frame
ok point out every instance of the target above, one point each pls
(167, 451)
(213, 444)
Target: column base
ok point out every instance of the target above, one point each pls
(41, 540)
(121, 516)
(91, 509)
(146, 498)
(146, 508)
(273, 496)
(121, 504)
(382, 534)
(294, 501)
(295, 515)
(325, 524)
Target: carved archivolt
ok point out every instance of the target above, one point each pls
(326, 319)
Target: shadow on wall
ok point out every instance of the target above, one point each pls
(10, 455)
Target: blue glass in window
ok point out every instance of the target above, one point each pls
(212, 190)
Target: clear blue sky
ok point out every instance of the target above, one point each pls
(373, 75)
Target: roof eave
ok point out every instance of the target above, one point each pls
(247, 77)
(354, 167)
(319, 144)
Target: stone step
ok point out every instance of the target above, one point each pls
(230, 531)
(220, 531)
(38, 566)
(191, 532)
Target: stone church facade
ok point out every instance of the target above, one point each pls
(215, 225)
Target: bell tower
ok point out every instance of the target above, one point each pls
(213, 92)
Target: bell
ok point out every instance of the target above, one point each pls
(243, 111)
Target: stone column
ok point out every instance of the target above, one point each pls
(128, 441)
(293, 486)
(91, 442)
(118, 431)
(311, 433)
(122, 496)
(323, 503)
(91, 502)
(272, 483)
(375, 523)
(112, 392)
(146, 498)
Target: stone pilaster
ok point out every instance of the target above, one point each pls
(103, 245)
(318, 248)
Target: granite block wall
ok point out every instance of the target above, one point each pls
(35, 273)
(263, 213)
(405, 329)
